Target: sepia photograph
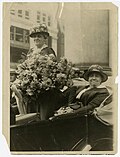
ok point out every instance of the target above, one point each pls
(59, 70)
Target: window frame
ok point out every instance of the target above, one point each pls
(27, 16)
(20, 13)
(14, 33)
(12, 12)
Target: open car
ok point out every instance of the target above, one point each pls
(66, 131)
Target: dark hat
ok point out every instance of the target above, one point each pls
(97, 69)
(41, 29)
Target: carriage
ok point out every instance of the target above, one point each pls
(64, 132)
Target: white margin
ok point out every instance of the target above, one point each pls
(4, 150)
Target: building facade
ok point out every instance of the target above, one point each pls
(90, 34)
(82, 32)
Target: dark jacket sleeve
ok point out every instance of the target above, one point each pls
(95, 102)
(51, 51)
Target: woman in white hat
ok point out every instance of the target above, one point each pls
(40, 35)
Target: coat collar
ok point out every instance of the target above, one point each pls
(86, 88)
(39, 49)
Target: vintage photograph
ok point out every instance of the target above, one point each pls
(62, 61)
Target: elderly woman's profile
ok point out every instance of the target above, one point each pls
(92, 95)
(40, 35)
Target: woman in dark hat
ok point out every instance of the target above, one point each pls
(100, 136)
(92, 95)
(40, 35)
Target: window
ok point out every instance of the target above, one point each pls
(49, 21)
(38, 17)
(26, 14)
(12, 12)
(11, 33)
(20, 13)
(26, 35)
(44, 18)
(19, 34)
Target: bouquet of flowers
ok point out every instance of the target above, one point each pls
(40, 73)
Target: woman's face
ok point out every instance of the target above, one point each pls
(39, 40)
(95, 79)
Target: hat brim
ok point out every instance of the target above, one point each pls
(32, 35)
(103, 75)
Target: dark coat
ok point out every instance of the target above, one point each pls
(92, 98)
(44, 51)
